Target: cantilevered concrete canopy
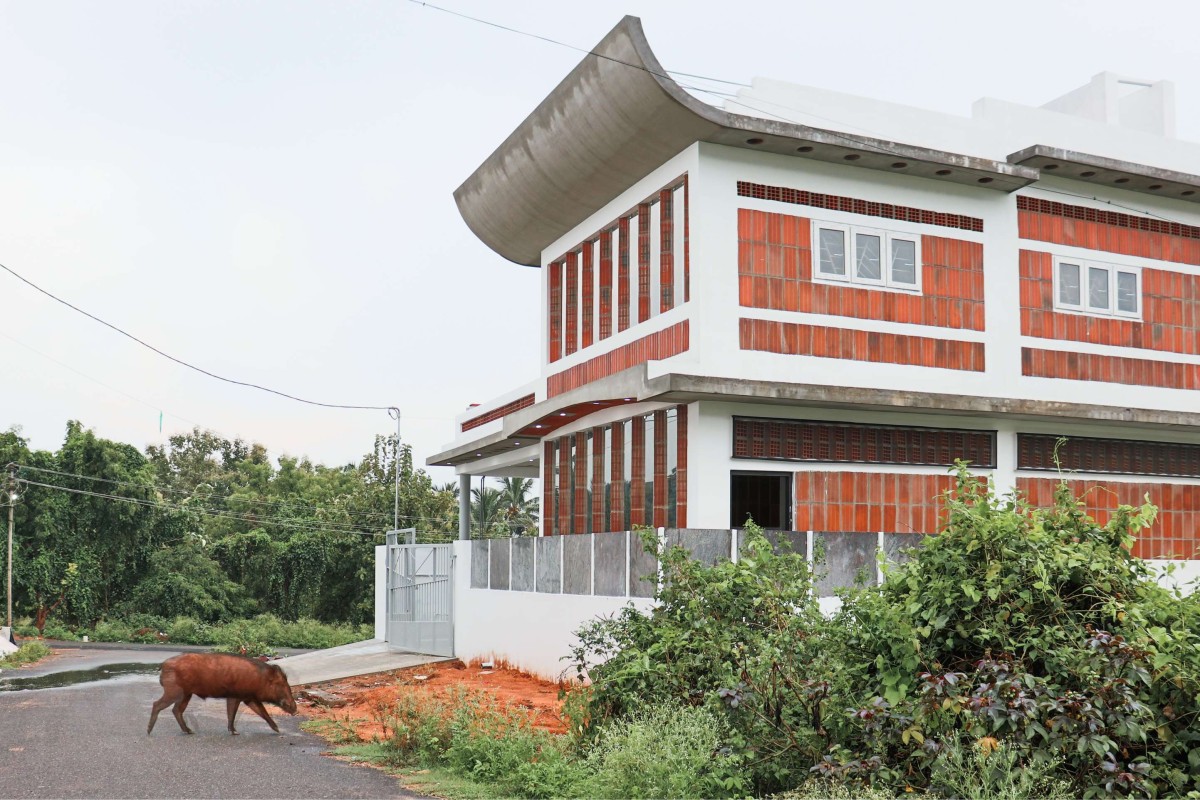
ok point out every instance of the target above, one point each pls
(618, 115)
(1110, 172)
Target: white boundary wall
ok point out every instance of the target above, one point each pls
(532, 631)
(381, 591)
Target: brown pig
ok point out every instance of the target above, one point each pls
(236, 678)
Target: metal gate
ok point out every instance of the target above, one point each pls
(420, 598)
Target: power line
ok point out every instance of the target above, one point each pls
(573, 47)
(179, 361)
(278, 505)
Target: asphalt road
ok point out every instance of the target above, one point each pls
(89, 741)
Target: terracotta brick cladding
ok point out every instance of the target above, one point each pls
(1170, 304)
(665, 343)
(889, 348)
(869, 502)
(1037, 363)
(853, 205)
(1175, 533)
(775, 271)
(498, 412)
(578, 305)
(1080, 226)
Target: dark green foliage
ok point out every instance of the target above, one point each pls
(717, 637)
(205, 527)
(1018, 640)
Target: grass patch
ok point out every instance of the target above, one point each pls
(436, 781)
(28, 653)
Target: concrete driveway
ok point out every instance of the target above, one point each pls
(89, 741)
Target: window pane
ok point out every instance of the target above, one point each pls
(1127, 299)
(1068, 284)
(1098, 288)
(867, 263)
(833, 252)
(904, 262)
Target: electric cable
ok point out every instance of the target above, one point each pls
(180, 361)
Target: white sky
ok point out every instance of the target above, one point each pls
(265, 189)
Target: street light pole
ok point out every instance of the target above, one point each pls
(13, 497)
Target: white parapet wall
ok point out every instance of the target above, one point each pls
(532, 631)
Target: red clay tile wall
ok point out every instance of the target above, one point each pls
(1037, 363)
(823, 342)
(1176, 531)
(663, 344)
(558, 498)
(1170, 304)
(1111, 232)
(775, 271)
(570, 277)
(869, 502)
(498, 412)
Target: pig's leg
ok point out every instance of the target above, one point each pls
(262, 712)
(178, 710)
(231, 709)
(167, 699)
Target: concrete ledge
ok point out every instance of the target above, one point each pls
(360, 658)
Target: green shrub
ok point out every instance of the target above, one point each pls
(186, 630)
(741, 637)
(989, 770)
(27, 653)
(668, 751)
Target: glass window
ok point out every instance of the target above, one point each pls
(868, 265)
(1068, 284)
(1098, 288)
(833, 251)
(1127, 292)
(904, 261)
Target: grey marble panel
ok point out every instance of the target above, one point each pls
(522, 564)
(612, 564)
(479, 564)
(897, 545)
(501, 552)
(643, 569)
(549, 563)
(848, 561)
(706, 546)
(577, 564)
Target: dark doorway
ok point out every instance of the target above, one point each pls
(766, 497)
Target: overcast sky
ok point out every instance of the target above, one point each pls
(265, 189)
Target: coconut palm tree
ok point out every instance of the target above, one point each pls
(519, 509)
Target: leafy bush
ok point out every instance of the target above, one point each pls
(990, 770)
(1033, 629)
(27, 653)
(668, 751)
(741, 637)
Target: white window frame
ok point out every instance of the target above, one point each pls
(886, 239)
(847, 237)
(1084, 307)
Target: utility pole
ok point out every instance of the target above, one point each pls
(394, 413)
(10, 487)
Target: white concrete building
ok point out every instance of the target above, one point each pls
(807, 322)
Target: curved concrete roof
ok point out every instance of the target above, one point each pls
(618, 115)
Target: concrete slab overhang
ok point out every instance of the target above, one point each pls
(618, 115)
(1110, 172)
(635, 386)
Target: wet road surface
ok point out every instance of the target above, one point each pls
(88, 740)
